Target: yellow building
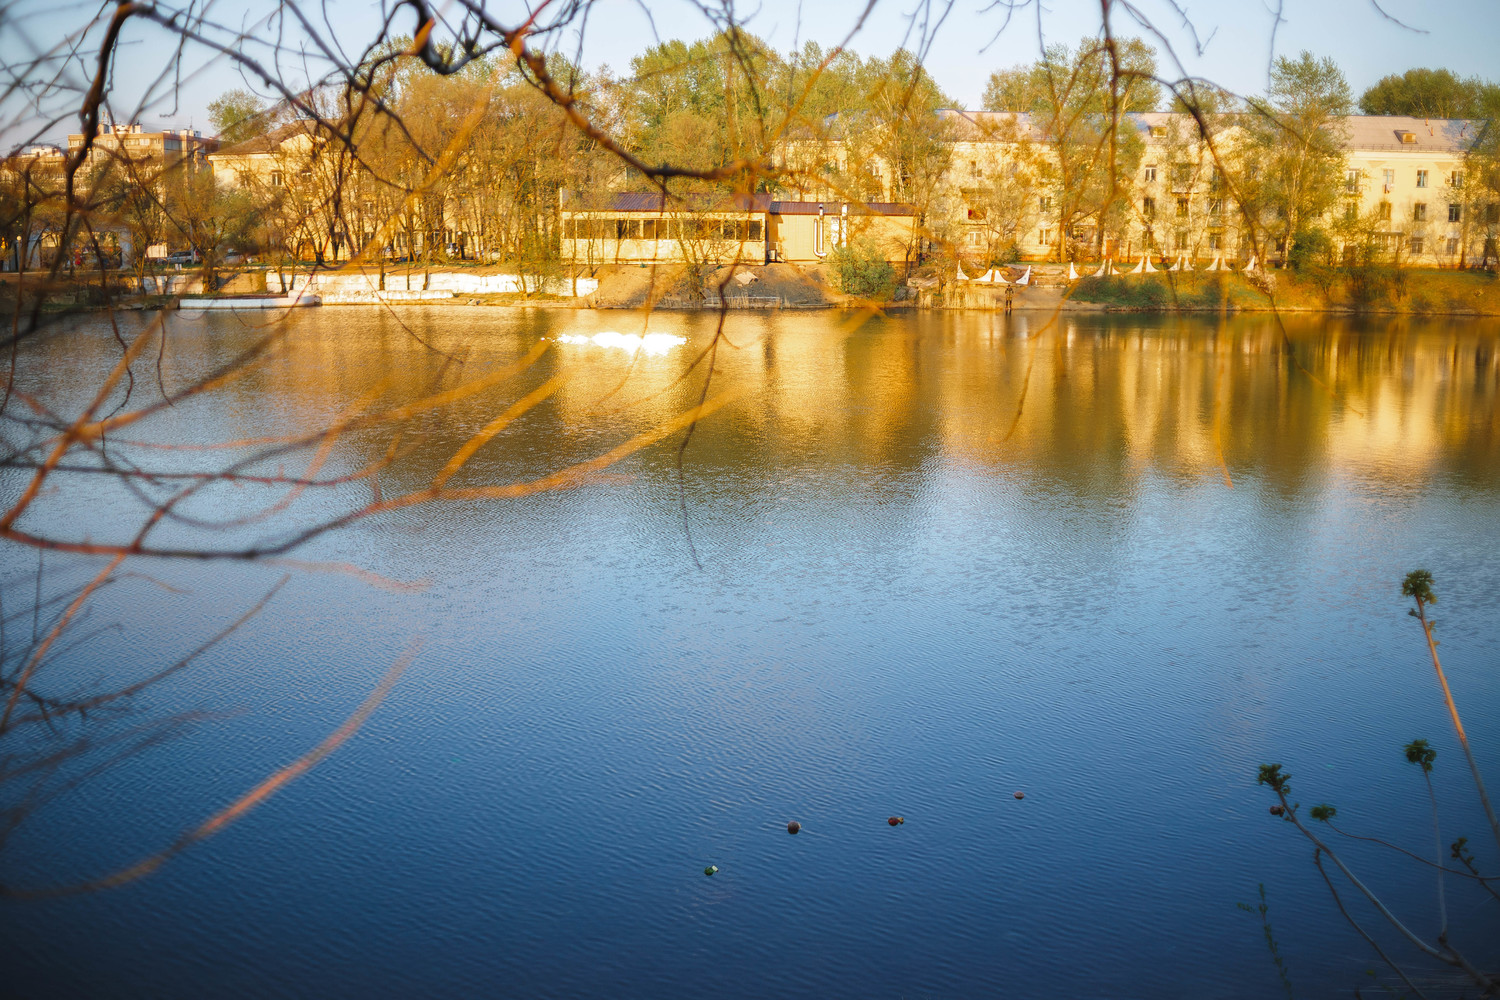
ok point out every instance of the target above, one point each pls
(131, 145)
(1404, 181)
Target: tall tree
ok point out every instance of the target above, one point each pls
(1082, 113)
(1430, 93)
(238, 115)
(1295, 156)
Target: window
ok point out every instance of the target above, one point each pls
(1390, 179)
(1385, 211)
(1216, 206)
(1179, 240)
(976, 214)
(1421, 178)
(1416, 244)
(648, 229)
(976, 238)
(1351, 181)
(277, 180)
(757, 231)
(627, 229)
(1182, 208)
(1044, 204)
(1452, 247)
(1455, 212)
(1419, 212)
(974, 170)
(1151, 174)
(1455, 179)
(1215, 181)
(1214, 242)
(1351, 211)
(1148, 207)
(1158, 131)
(1044, 237)
(1492, 213)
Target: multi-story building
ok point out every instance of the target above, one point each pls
(131, 146)
(1004, 188)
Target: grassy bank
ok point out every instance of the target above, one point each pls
(1373, 290)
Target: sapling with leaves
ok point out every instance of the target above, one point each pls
(1442, 950)
(1420, 752)
(1418, 586)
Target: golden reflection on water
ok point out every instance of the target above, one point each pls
(1089, 400)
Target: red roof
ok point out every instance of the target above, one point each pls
(836, 208)
(656, 203)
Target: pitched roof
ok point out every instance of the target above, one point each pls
(836, 208)
(271, 141)
(1435, 135)
(1364, 132)
(655, 202)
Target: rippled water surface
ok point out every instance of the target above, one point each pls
(909, 567)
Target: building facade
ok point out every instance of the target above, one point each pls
(1004, 190)
(643, 227)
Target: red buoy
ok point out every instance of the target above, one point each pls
(896, 820)
(1020, 795)
(793, 826)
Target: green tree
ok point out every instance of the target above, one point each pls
(1431, 93)
(1082, 115)
(1296, 157)
(1017, 89)
(238, 115)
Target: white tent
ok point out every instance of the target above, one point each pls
(1106, 269)
(1144, 267)
(1218, 264)
(1187, 263)
(961, 275)
(1025, 279)
(994, 277)
(1072, 272)
(1176, 265)
(1250, 266)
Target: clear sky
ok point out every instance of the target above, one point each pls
(1229, 41)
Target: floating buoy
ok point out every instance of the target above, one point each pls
(1277, 810)
(1020, 795)
(896, 820)
(793, 826)
(710, 869)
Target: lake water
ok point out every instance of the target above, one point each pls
(911, 566)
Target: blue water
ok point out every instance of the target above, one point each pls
(915, 593)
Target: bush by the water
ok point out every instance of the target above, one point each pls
(862, 270)
(1367, 286)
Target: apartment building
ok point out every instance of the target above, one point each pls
(1003, 190)
(131, 146)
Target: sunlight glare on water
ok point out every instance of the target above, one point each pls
(651, 343)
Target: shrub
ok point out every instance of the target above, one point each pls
(1310, 247)
(863, 271)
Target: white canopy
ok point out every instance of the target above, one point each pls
(1072, 272)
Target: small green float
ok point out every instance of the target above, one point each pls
(710, 869)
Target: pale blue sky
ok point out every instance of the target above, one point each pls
(1462, 35)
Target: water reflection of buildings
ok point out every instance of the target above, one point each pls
(1088, 401)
